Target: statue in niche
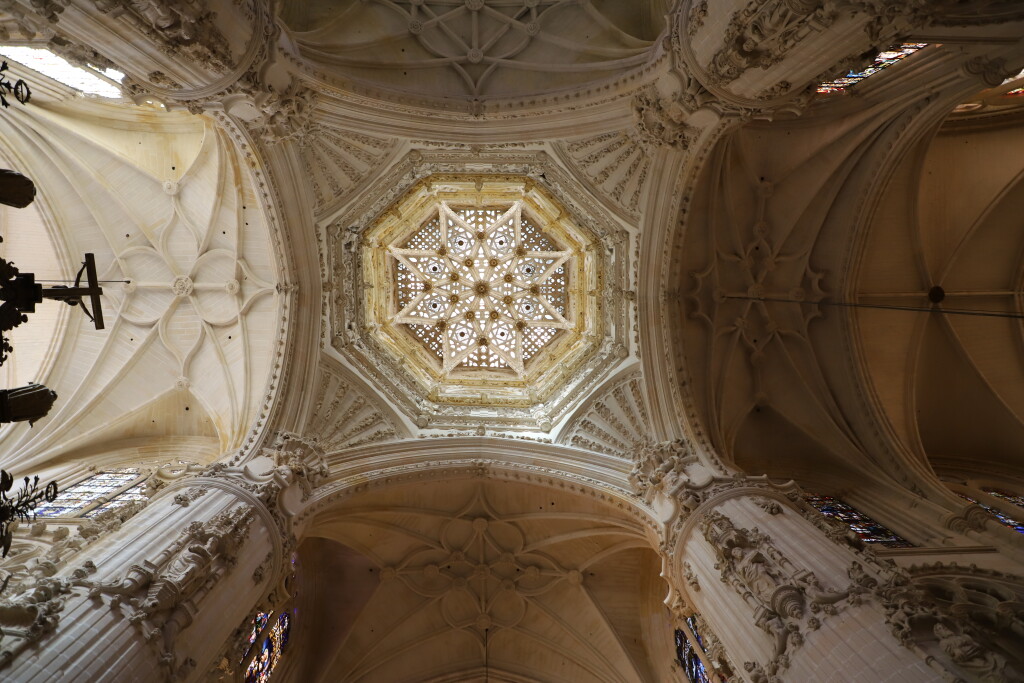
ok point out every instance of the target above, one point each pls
(753, 569)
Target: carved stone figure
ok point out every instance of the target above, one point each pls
(656, 462)
(967, 653)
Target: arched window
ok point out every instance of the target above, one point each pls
(1005, 495)
(86, 79)
(104, 491)
(275, 632)
(1004, 519)
(866, 528)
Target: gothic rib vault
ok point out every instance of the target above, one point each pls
(496, 340)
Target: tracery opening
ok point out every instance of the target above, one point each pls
(482, 287)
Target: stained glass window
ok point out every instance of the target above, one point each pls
(73, 500)
(868, 529)
(1005, 520)
(884, 60)
(259, 622)
(87, 80)
(482, 287)
(269, 655)
(1006, 495)
(687, 655)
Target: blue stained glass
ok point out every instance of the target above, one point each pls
(866, 528)
(687, 655)
(884, 60)
(285, 622)
(259, 622)
(1006, 495)
(1005, 520)
(120, 500)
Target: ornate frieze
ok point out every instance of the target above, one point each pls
(967, 618)
(182, 28)
(761, 34)
(33, 614)
(662, 466)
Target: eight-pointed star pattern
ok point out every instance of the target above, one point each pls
(482, 279)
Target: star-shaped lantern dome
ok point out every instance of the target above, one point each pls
(482, 287)
(485, 298)
(485, 291)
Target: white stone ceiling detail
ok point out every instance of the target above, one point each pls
(617, 163)
(368, 333)
(477, 49)
(530, 580)
(336, 160)
(189, 342)
(485, 284)
(347, 414)
(615, 421)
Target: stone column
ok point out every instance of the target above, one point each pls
(159, 598)
(791, 595)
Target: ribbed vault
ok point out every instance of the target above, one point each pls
(446, 581)
(953, 385)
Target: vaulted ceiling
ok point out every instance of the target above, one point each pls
(952, 385)
(190, 292)
(470, 51)
(467, 577)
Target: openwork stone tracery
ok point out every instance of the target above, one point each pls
(527, 315)
(482, 287)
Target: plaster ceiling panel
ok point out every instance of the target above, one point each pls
(952, 384)
(951, 203)
(466, 50)
(755, 270)
(192, 303)
(534, 582)
(960, 416)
